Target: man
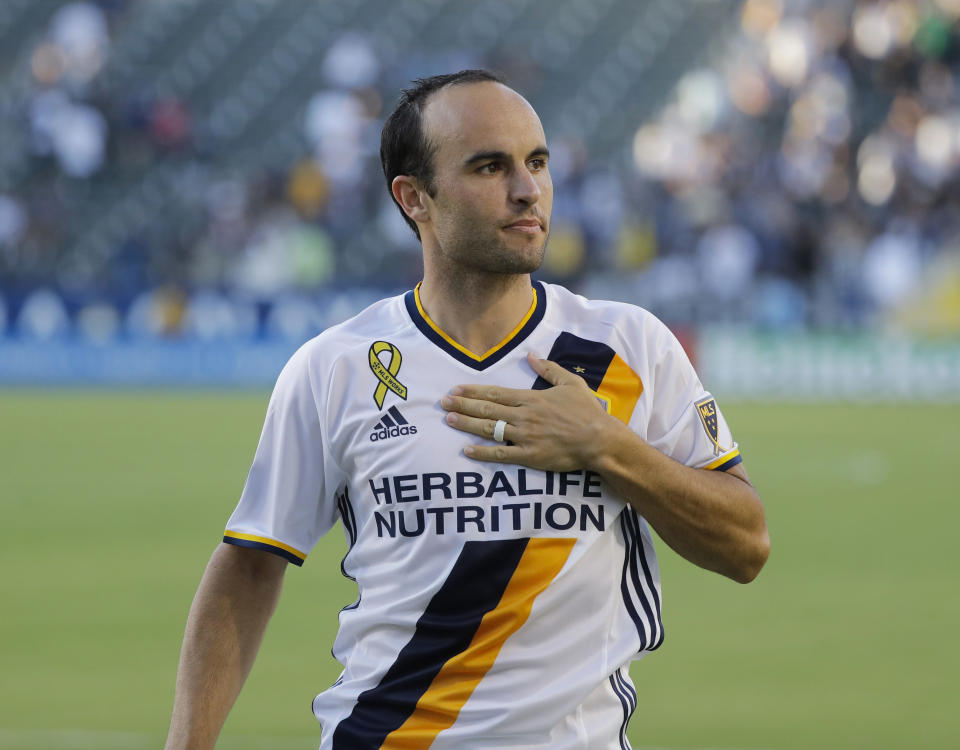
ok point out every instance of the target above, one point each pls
(494, 449)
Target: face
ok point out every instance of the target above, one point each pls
(490, 211)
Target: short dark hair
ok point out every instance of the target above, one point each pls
(404, 147)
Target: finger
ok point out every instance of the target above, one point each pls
(502, 454)
(478, 426)
(477, 408)
(495, 393)
(550, 371)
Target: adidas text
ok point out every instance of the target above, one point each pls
(384, 434)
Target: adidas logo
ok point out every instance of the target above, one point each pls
(391, 425)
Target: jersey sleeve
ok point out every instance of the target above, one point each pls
(284, 508)
(685, 422)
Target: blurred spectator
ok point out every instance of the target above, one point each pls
(295, 318)
(308, 189)
(74, 133)
(336, 125)
(13, 221)
(351, 62)
(892, 265)
(157, 313)
(211, 316)
(98, 322)
(43, 316)
(283, 254)
(79, 31)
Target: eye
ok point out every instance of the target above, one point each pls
(489, 168)
(538, 164)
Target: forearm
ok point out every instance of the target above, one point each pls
(228, 617)
(714, 519)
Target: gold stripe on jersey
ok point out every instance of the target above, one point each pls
(604, 371)
(439, 707)
(622, 386)
(227, 535)
(464, 350)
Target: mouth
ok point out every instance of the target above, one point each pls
(525, 226)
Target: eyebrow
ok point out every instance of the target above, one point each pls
(503, 155)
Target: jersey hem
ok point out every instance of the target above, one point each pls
(249, 541)
(725, 462)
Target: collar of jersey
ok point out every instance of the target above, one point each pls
(478, 362)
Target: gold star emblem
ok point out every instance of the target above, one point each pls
(578, 368)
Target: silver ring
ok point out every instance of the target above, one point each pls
(498, 430)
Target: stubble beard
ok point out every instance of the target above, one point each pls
(471, 251)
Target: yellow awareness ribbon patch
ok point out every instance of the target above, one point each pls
(386, 375)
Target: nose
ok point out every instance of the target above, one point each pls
(524, 187)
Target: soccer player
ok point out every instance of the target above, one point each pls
(495, 449)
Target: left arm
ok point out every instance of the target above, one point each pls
(713, 519)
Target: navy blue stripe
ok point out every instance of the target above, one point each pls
(288, 556)
(427, 330)
(346, 516)
(626, 713)
(729, 464)
(593, 357)
(395, 413)
(473, 587)
(345, 519)
(631, 702)
(353, 539)
(624, 583)
(637, 552)
(628, 689)
(350, 608)
(651, 608)
(353, 517)
(655, 621)
(631, 699)
(350, 524)
(386, 421)
(350, 520)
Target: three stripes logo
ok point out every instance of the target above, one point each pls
(392, 424)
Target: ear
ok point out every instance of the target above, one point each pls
(411, 197)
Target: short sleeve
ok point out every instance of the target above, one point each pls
(685, 422)
(284, 507)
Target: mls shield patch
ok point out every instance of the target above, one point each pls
(707, 409)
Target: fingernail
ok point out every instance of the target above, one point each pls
(468, 450)
(446, 402)
(451, 418)
(456, 390)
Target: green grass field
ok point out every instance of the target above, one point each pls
(112, 503)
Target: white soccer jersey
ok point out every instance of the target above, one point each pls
(498, 606)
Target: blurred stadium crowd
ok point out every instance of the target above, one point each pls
(206, 169)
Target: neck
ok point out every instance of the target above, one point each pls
(476, 310)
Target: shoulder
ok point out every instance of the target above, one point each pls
(623, 325)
